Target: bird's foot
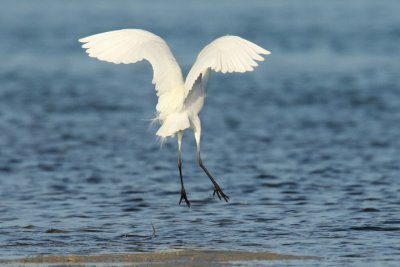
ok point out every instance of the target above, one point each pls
(184, 197)
(220, 194)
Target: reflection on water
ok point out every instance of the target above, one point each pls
(306, 147)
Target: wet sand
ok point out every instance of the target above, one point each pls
(167, 258)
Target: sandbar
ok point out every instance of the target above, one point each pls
(165, 258)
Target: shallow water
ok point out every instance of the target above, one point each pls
(306, 146)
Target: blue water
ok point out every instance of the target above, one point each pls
(307, 146)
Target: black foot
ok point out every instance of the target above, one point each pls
(220, 194)
(183, 196)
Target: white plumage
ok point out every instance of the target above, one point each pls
(179, 101)
(131, 46)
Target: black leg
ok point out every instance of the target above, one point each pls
(197, 134)
(217, 188)
(183, 191)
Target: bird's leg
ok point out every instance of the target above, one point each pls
(183, 192)
(217, 188)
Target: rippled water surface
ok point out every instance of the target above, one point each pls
(307, 147)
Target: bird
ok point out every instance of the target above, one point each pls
(179, 101)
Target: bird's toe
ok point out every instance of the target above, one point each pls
(221, 195)
(184, 197)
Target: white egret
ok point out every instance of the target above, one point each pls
(179, 101)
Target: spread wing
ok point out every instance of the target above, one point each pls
(133, 45)
(225, 54)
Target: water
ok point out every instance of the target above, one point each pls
(306, 147)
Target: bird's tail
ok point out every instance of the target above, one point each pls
(173, 124)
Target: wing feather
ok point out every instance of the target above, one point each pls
(225, 54)
(133, 45)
